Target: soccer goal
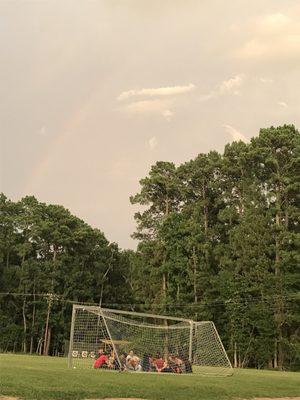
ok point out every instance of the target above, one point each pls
(146, 343)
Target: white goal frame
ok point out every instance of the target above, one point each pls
(84, 337)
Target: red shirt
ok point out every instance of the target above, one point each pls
(100, 361)
(159, 363)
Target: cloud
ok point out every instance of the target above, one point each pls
(168, 114)
(231, 84)
(253, 49)
(161, 104)
(228, 86)
(283, 46)
(272, 22)
(271, 36)
(266, 80)
(234, 133)
(153, 143)
(156, 92)
(160, 107)
(42, 131)
(282, 104)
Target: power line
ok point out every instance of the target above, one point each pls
(244, 301)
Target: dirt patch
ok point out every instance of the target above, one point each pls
(8, 398)
(107, 398)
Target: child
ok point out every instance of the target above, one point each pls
(102, 360)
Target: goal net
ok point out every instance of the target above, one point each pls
(137, 342)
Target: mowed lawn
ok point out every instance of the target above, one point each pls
(33, 377)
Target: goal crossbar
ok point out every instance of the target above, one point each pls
(137, 314)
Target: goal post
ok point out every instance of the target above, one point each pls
(179, 345)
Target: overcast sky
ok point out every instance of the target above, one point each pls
(95, 92)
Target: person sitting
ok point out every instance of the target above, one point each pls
(100, 351)
(112, 361)
(159, 362)
(146, 362)
(133, 362)
(129, 356)
(166, 368)
(188, 369)
(122, 359)
(175, 364)
(102, 360)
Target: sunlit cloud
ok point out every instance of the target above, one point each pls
(266, 80)
(157, 92)
(161, 104)
(282, 104)
(272, 23)
(235, 134)
(228, 86)
(271, 36)
(42, 131)
(231, 85)
(153, 143)
(168, 114)
(160, 107)
(284, 46)
(253, 48)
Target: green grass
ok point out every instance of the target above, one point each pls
(32, 377)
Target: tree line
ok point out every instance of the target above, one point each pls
(218, 240)
(49, 259)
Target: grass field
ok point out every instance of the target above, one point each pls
(32, 377)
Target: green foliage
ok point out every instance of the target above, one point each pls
(218, 240)
(229, 245)
(49, 258)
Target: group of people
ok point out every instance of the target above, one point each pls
(148, 363)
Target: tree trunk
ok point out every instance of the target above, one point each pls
(280, 349)
(46, 346)
(279, 301)
(205, 210)
(7, 258)
(24, 347)
(178, 292)
(167, 209)
(275, 355)
(277, 256)
(195, 275)
(286, 219)
(164, 286)
(205, 220)
(39, 346)
(32, 324)
(46, 337)
(48, 341)
(235, 356)
(24, 326)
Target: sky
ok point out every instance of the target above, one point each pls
(95, 92)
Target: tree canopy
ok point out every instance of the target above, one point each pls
(218, 239)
